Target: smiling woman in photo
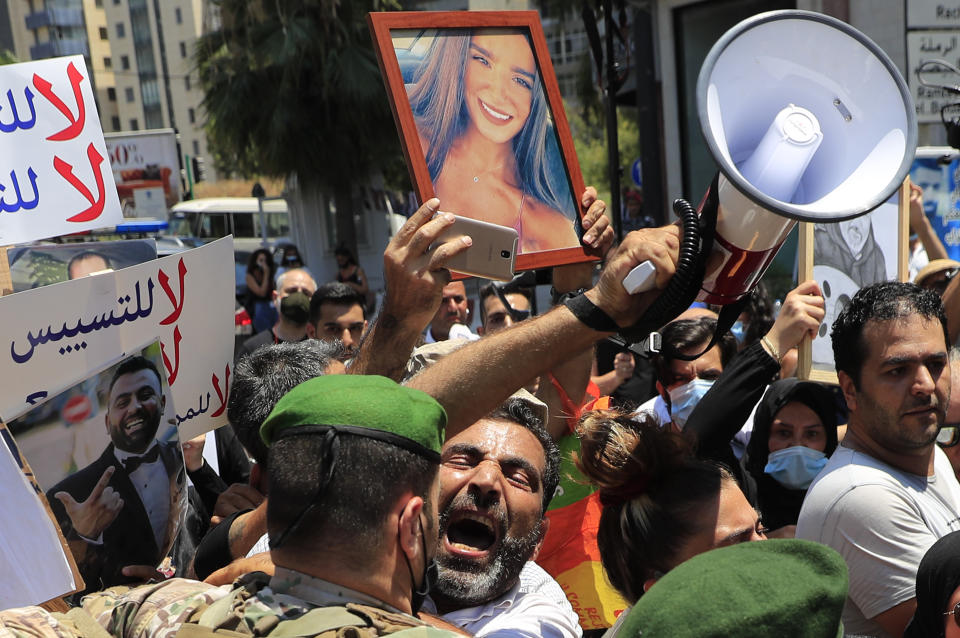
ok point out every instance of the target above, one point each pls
(486, 132)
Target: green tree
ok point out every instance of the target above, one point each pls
(293, 87)
(590, 139)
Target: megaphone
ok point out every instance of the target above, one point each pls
(807, 119)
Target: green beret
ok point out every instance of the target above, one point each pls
(765, 588)
(370, 406)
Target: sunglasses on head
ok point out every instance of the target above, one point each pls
(949, 436)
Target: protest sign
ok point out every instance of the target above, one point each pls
(114, 432)
(35, 266)
(59, 333)
(55, 178)
(33, 557)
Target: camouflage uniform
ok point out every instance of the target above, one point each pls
(253, 606)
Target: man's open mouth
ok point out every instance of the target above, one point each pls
(471, 534)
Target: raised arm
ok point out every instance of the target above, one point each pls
(475, 379)
(724, 409)
(922, 226)
(413, 294)
(573, 374)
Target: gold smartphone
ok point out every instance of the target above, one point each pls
(492, 254)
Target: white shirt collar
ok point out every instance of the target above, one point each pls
(123, 455)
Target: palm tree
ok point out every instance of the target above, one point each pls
(292, 88)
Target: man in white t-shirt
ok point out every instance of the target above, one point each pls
(887, 493)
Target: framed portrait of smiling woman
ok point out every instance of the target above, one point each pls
(482, 124)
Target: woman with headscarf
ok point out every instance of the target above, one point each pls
(938, 592)
(794, 431)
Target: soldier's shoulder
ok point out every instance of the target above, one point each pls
(154, 610)
(36, 622)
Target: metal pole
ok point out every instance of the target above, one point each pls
(648, 105)
(613, 151)
(263, 222)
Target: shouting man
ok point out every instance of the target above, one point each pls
(496, 479)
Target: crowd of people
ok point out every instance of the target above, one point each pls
(398, 472)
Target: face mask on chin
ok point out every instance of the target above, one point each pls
(685, 398)
(795, 467)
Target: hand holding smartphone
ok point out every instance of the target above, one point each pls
(492, 254)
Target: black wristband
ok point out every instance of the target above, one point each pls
(590, 315)
(557, 297)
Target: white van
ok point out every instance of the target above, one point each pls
(215, 217)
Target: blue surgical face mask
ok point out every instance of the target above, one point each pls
(686, 397)
(795, 467)
(739, 331)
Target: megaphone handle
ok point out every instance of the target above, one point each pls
(640, 279)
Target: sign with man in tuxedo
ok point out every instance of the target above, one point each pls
(120, 512)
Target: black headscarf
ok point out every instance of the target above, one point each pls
(937, 578)
(780, 505)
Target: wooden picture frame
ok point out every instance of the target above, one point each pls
(825, 255)
(465, 94)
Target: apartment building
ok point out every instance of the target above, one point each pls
(139, 54)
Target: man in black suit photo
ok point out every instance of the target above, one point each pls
(122, 510)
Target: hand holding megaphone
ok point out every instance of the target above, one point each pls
(657, 246)
(797, 134)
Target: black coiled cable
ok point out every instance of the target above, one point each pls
(682, 290)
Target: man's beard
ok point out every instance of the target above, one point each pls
(463, 582)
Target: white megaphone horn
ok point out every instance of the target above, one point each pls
(807, 120)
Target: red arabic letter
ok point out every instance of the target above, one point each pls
(226, 390)
(165, 284)
(174, 369)
(66, 171)
(76, 124)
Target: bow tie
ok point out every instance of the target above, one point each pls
(131, 463)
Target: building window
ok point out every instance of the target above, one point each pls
(186, 82)
(183, 49)
(112, 96)
(134, 125)
(191, 115)
(124, 62)
(115, 122)
(128, 93)
(121, 31)
(196, 148)
(98, 3)
(178, 15)
(103, 33)
(108, 62)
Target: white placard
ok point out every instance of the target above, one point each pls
(933, 14)
(58, 334)
(55, 177)
(932, 45)
(32, 559)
